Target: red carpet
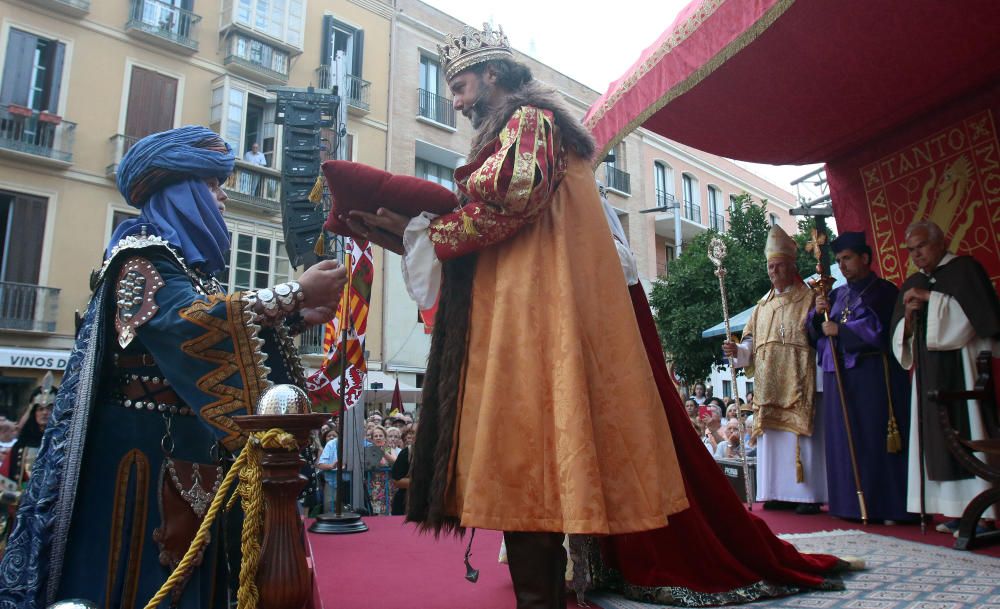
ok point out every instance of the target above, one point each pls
(392, 567)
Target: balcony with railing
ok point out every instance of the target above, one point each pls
(435, 108)
(616, 179)
(692, 211)
(27, 307)
(311, 341)
(254, 187)
(164, 25)
(75, 8)
(665, 199)
(36, 135)
(120, 144)
(256, 59)
(717, 222)
(357, 91)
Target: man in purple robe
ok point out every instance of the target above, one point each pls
(855, 319)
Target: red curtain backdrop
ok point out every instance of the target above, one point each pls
(943, 167)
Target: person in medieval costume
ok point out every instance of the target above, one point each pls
(855, 318)
(951, 304)
(775, 349)
(163, 360)
(541, 415)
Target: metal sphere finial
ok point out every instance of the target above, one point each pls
(284, 399)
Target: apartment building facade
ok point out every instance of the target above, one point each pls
(83, 80)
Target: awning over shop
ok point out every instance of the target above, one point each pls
(38, 359)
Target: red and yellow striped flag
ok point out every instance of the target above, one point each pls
(323, 386)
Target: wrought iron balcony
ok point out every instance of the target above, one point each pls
(39, 134)
(692, 211)
(256, 187)
(618, 180)
(28, 307)
(665, 199)
(76, 8)
(311, 341)
(436, 108)
(357, 91)
(159, 22)
(717, 222)
(257, 59)
(120, 144)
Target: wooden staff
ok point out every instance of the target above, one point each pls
(345, 308)
(717, 254)
(822, 286)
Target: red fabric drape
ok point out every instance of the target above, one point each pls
(716, 545)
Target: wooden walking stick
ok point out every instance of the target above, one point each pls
(822, 286)
(918, 342)
(717, 254)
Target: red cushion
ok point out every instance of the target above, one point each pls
(354, 186)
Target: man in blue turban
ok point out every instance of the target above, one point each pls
(137, 442)
(875, 388)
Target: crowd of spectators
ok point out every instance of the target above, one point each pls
(717, 422)
(385, 453)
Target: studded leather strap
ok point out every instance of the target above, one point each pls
(138, 282)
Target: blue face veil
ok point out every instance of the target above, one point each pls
(163, 175)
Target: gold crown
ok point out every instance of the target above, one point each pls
(472, 47)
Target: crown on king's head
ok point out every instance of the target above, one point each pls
(471, 47)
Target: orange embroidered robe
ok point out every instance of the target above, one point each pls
(560, 426)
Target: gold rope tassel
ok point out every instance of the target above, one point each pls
(893, 439)
(800, 471)
(316, 194)
(247, 466)
(469, 226)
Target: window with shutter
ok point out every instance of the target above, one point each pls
(32, 71)
(152, 98)
(22, 231)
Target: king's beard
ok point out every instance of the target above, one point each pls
(480, 109)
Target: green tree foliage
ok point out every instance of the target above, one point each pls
(807, 261)
(688, 301)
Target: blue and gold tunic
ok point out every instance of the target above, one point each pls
(139, 435)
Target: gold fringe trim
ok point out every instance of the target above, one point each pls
(727, 53)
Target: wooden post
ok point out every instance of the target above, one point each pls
(283, 577)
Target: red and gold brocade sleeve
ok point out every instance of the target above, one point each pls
(509, 183)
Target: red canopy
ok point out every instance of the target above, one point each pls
(799, 81)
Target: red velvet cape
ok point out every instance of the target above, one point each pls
(715, 545)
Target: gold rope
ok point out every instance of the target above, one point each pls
(800, 471)
(893, 439)
(247, 466)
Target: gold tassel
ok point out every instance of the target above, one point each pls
(320, 248)
(470, 228)
(893, 441)
(316, 194)
(800, 471)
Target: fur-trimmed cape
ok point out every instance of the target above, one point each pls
(432, 466)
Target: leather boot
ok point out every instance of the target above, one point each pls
(537, 563)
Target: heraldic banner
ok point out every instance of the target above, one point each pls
(323, 386)
(943, 167)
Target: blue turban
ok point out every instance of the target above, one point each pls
(163, 175)
(853, 241)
